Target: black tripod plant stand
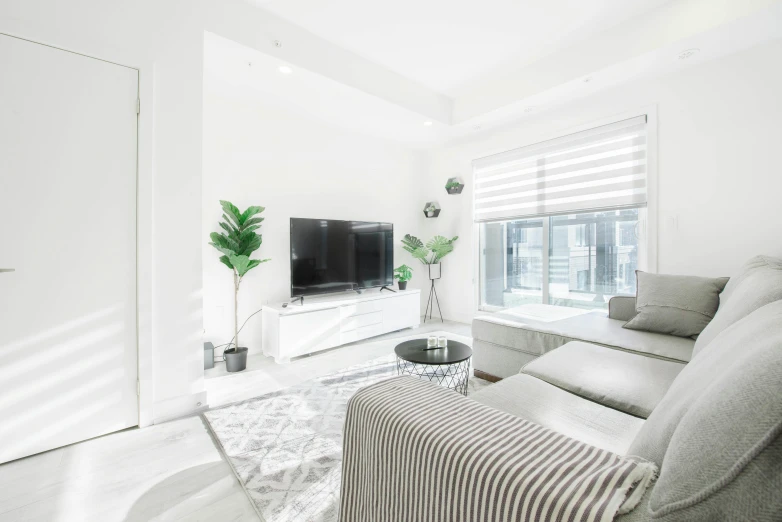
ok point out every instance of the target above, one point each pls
(435, 271)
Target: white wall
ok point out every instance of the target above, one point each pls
(257, 152)
(719, 132)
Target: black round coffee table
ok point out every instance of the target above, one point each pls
(449, 366)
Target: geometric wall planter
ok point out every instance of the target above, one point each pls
(454, 185)
(431, 209)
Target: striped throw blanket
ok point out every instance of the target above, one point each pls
(414, 451)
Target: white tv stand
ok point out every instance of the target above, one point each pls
(322, 323)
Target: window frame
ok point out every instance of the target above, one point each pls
(648, 218)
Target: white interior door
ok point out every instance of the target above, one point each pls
(68, 357)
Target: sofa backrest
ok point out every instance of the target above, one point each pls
(717, 433)
(758, 283)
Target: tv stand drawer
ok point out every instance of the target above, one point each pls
(358, 334)
(361, 308)
(358, 321)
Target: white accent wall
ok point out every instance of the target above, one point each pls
(720, 181)
(259, 151)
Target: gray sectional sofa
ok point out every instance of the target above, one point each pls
(505, 341)
(708, 411)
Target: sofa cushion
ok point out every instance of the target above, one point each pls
(540, 402)
(518, 329)
(716, 432)
(622, 307)
(675, 304)
(626, 381)
(758, 283)
(513, 327)
(497, 360)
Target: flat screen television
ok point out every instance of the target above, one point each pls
(328, 256)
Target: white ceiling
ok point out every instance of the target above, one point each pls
(246, 75)
(448, 44)
(543, 65)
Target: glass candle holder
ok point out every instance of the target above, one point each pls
(442, 342)
(431, 342)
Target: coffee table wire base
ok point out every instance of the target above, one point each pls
(453, 376)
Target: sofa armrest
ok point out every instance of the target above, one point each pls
(621, 308)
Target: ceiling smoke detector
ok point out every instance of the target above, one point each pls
(284, 69)
(427, 123)
(587, 79)
(688, 53)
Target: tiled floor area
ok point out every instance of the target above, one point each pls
(171, 471)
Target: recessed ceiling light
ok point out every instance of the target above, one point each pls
(529, 109)
(476, 128)
(427, 123)
(688, 53)
(284, 69)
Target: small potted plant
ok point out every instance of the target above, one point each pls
(403, 274)
(237, 243)
(454, 186)
(430, 210)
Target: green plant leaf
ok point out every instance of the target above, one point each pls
(226, 251)
(416, 247)
(232, 212)
(224, 260)
(250, 212)
(248, 231)
(440, 247)
(240, 263)
(250, 246)
(253, 221)
(411, 242)
(228, 227)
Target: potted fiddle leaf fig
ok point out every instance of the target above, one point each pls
(431, 253)
(238, 240)
(403, 274)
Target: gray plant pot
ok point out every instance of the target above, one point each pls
(402, 285)
(235, 359)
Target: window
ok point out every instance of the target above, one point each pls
(562, 222)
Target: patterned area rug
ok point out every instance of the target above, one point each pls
(286, 447)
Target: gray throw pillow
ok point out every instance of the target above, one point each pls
(674, 304)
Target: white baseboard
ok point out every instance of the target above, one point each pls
(178, 407)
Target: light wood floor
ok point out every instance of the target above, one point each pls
(170, 471)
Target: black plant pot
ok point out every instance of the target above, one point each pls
(455, 190)
(235, 359)
(402, 285)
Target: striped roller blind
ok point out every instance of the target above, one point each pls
(601, 168)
